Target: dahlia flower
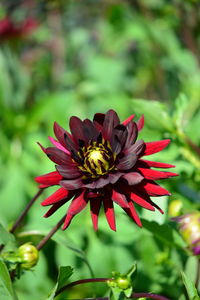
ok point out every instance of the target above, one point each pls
(11, 30)
(101, 163)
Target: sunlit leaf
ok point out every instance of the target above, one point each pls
(6, 288)
(190, 287)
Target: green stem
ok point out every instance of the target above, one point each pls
(82, 281)
(148, 295)
(25, 211)
(88, 280)
(50, 234)
(23, 214)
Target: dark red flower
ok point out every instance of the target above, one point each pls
(100, 162)
(10, 29)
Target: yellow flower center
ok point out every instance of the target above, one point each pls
(98, 160)
(95, 155)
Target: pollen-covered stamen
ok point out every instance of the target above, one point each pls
(98, 160)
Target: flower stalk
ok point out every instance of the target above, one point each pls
(25, 211)
(88, 280)
(50, 234)
(82, 281)
(23, 214)
(148, 295)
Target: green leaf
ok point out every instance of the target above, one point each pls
(63, 276)
(6, 289)
(181, 104)
(155, 113)
(165, 233)
(132, 272)
(117, 294)
(6, 238)
(53, 292)
(190, 287)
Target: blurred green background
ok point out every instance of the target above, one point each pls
(79, 58)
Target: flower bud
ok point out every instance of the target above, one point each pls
(189, 226)
(29, 255)
(175, 208)
(123, 283)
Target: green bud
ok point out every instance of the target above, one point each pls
(29, 256)
(123, 283)
(175, 208)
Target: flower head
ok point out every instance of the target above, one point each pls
(189, 226)
(12, 30)
(101, 163)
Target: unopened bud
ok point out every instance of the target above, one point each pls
(175, 208)
(29, 255)
(189, 226)
(123, 283)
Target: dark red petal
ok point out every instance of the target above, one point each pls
(95, 205)
(116, 144)
(140, 123)
(118, 138)
(71, 184)
(120, 199)
(154, 164)
(129, 119)
(98, 120)
(133, 178)
(54, 207)
(155, 175)
(59, 133)
(76, 206)
(127, 162)
(49, 179)
(56, 197)
(113, 177)
(101, 182)
(110, 122)
(76, 127)
(43, 186)
(58, 145)
(109, 211)
(132, 134)
(154, 189)
(56, 155)
(131, 212)
(154, 147)
(136, 148)
(134, 214)
(71, 146)
(90, 130)
(68, 172)
(156, 206)
(141, 201)
(67, 221)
